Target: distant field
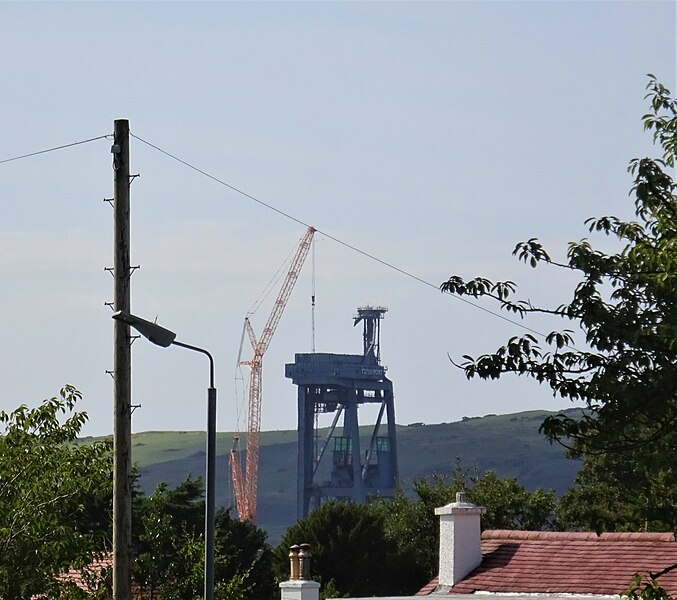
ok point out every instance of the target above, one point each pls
(152, 447)
(509, 444)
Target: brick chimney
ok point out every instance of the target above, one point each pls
(459, 540)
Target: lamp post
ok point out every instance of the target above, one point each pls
(164, 337)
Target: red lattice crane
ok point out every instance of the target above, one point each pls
(246, 487)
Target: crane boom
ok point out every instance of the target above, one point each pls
(245, 491)
(236, 473)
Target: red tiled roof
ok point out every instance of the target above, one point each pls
(98, 574)
(97, 568)
(569, 562)
(428, 589)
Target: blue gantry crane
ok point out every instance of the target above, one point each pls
(362, 461)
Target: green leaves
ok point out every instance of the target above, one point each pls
(646, 588)
(531, 252)
(389, 547)
(662, 119)
(478, 287)
(170, 548)
(54, 494)
(626, 491)
(624, 304)
(352, 554)
(481, 286)
(559, 339)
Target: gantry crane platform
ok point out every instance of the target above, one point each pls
(363, 463)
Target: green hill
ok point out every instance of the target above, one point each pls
(510, 445)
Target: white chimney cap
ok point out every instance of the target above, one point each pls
(461, 506)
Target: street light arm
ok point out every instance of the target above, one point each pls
(203, 351)
(161, 336)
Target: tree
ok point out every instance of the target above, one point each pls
(48, 486)
(509, 505)
(247, 550)
(645, 586)
(625, 304)
(412, 524)
(616, 492)
(351, 555)
(389, 547)
(169, 561)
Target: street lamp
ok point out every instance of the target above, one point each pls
(164, 337)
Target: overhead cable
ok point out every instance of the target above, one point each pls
(100, 137)
(335, 239)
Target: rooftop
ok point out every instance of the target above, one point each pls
(540, 562)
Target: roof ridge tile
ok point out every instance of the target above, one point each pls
(582, 536)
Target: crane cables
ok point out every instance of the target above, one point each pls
(274, 280)
(241, 385)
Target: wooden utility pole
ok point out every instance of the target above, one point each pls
(122, 434)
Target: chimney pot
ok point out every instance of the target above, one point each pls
(294, 565)
(304, 558)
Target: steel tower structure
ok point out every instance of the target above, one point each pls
(362, 463)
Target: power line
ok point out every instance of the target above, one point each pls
(220, 181)
(101, 137)
(335, 239)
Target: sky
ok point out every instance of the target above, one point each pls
(433, 136)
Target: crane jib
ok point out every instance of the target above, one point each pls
(246, 487)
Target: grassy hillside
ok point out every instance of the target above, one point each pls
(152, 447)
(510, 445)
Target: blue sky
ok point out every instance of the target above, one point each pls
(431, 135)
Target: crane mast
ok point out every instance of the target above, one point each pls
(246, 487)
